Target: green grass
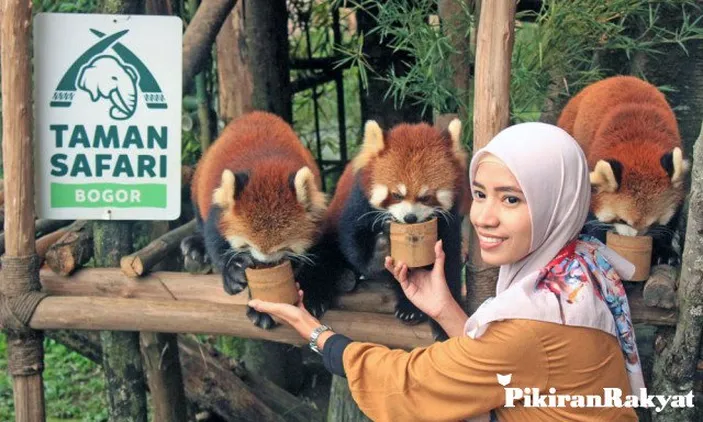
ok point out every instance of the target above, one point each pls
(74, 386)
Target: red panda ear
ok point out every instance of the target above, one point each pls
(606, 176)
(230, 188)
(675, 165)
(306, 191)
(460, 153)
(372, 146)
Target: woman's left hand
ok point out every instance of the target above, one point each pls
(294, 315)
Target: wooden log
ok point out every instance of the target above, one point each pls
(369, 297)
(199, 36)
(494, 46)
(675, 366)
(160, 356)
(41, 228)
(45, 242)
(660, 288)
(142, 261)
(18, 167)
(104, 313)
(73, 250)
(212, 381)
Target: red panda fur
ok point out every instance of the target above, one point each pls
(629, 120)
(264, 145)
(414, 154)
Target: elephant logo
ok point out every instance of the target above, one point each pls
(106, 77)
(119, 78)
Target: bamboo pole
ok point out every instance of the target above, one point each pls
(19, 192)
(117, 314)
(494, 46)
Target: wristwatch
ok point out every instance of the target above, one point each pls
(315, 335)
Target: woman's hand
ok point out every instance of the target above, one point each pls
(427, 290)
(294, 315)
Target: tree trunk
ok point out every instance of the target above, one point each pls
(267, 47)
(451, 16)
(160, 353)
(381, 58)
(121, 356)
(342, 407)
(267, 42)
(675, 366)
(236, 86)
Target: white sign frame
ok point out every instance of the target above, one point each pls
(98, 150)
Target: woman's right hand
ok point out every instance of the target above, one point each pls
(427, 290)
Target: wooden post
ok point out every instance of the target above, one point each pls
(675, 367)
(15, 32)
(122, 360)
(494, 46)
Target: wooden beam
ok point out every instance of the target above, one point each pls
(169, 316)
(200, 35)
(368, 297)
(140, 262)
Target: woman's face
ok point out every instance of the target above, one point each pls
(499, 214)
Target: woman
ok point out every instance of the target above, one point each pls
(560, 318)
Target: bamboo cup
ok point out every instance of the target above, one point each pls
(414, 243)
(636, 249)
(273, 284)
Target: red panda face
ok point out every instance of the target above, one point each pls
(270, 214)
(414, 172)
(635, 196)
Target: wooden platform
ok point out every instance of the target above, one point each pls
(106, 299)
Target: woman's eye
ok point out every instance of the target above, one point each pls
(478, 194)
(512, 200)
(397, 196)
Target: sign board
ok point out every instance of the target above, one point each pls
(108, 92)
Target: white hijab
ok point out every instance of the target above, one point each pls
(553, 174)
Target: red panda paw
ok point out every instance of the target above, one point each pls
(195, 258)
(260, 319)
(408, 313)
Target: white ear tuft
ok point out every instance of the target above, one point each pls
(603, 178)
(223, 196)
(460, 153)
(372, 146)
(681, 167)
(306, 190)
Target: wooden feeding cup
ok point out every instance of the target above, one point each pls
(273, 284)
(414, 243)
(636, 249)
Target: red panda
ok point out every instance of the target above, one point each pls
(631, 139)
(408, 174)
(257, 198)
